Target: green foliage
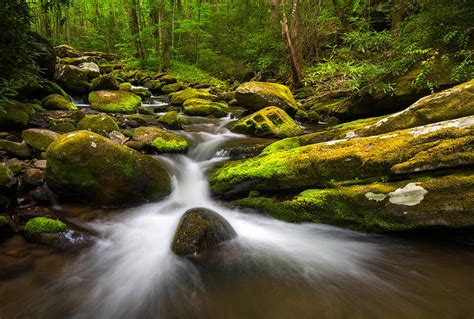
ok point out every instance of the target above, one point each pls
(184, 71)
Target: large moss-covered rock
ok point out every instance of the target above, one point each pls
(419, 203)
(98, 123)
(171, 120)
(106, 83)
(174, 87)
(6, 176)
(14, 115)
(20, 150)
(178, 98)
(270, 121)
(39, 139)
(202, 107)
(72, 79)
(258, 95)
(57, 102)
(114, 101)
(66, 51)
(159, 140)
(441, 145)
(200, 231)
(86, 167)
(448, 104)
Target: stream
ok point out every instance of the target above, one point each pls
(272, 269)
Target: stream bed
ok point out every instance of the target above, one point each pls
(272, 269)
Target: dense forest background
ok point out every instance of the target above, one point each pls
(332, 45)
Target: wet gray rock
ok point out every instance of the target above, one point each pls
(200, 231)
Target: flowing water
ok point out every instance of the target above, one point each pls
(272, 269)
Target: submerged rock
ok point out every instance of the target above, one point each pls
(258, 95)
(270, 121)
(202, 107)
(86, 167)
(114, 101)
(200, 231)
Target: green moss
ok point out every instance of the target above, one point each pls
(270, 122)
(174, 145)
(84, 166)
(39, 225)
(160, 140)
(125, 86)
(14, 115)
(171, 120)
(98, 123)
(257, 95)
(39, 139)
(114, 101)
(178, 98)
(63, 127)
(20, 150)
(57, 102)
(322, 164)
(350, 206)
(202, 107)
(6, 176)
(173, 87)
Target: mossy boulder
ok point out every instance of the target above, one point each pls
(449, 104)
(200, 231)
(62, 127)
(141, 91)
(174, 87)
(178, 98)
(98, 123)
(14, 115)
(168, 79)
(416, 204)
(39, 139)
(440, 145)
(91, 69)
(57, 102)
(105, 83)
(126, 86)
(85, 167)
(66, 51)
(270, 121)
(114, 101)
(6, 176)
(20, 150)
(72, 79)
(160, 140)
(39, 225)
(202, 107)
(171, 120)
(258, 95)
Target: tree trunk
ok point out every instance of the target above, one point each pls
(397, 14)
(135, 28)
(165, 45)
(293, 53)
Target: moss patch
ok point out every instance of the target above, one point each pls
(270, 121)
(171, 120)
(39, 225)
(202, 107)
(257, 95)
(178, 98)
(114, 101)
(98, 123)
(57, 102)
(39, 139)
